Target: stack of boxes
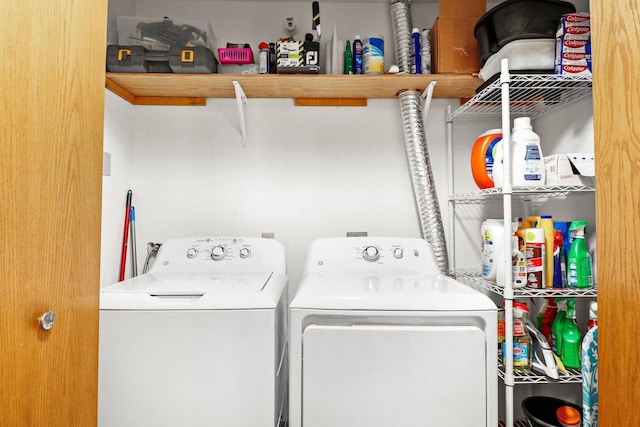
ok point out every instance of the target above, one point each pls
(573, 45)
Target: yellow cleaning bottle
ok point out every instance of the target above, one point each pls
(545, 222)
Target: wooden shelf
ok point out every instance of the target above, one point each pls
(194, 89)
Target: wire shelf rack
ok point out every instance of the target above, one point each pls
(525, 193)
(474, 278)
(517, 423)
(572, 376)
(530, 95)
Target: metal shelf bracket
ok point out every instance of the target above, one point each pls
(241, 101)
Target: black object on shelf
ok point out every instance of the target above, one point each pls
(518, 19)
(541, 410)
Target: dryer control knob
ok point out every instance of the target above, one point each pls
(192, 252)
(371, 253)
(218, 253)
(245, 252)
(398, 253)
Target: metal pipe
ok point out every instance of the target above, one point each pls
(416, 141)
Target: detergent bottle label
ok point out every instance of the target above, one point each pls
(532, 163)
(520, 354)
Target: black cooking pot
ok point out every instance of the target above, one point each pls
(518, 19)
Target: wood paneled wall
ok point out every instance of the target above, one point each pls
(616, 100)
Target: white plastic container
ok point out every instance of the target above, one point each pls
(518, 267)
(491, 252)
(527, 159)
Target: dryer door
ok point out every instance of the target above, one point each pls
(395, 375)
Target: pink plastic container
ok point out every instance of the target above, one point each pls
(235, 55)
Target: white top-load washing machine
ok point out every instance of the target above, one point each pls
(200, 340)
(378, 337)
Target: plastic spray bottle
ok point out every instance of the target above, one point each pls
(579, 259)
(571, 339)
(559, 262)
(546, 316)
(590, 370)
(557, 326)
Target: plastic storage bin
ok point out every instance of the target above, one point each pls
(235, 55)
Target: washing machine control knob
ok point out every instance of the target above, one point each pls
(245, 252)
(192, 252)
(218, 253)
(371, 253)
(398, 253)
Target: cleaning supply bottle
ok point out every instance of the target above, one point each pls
(546, 316)
(264, 60)
(527, 167)
(491, 244)
(579, 259)
(557, 327)
(522, 350)
(571, 339)
(357, 55)
(590, 370)
(348, 58)
(416, 52)
(545, 222)
(518, 266)
(535, 257)
(559, 262)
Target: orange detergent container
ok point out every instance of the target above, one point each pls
(482, 157)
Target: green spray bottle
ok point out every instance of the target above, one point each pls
(557, 326)
(571, 339)
(579, 259)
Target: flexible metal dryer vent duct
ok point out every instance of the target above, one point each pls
(416, 140)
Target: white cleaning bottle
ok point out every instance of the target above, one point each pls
(526, 157)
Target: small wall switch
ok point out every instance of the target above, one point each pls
(106, 163)
(269, 235)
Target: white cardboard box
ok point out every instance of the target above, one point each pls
(570, 169)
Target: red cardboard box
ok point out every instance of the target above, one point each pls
(454, 47)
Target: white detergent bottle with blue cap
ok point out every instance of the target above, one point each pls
(527, 161)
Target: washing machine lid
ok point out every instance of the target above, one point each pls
(193, 291)
(393, 291)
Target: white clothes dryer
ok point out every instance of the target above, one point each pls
(378, 337)
(199, 340)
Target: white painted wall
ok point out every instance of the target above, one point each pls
(306, 173)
